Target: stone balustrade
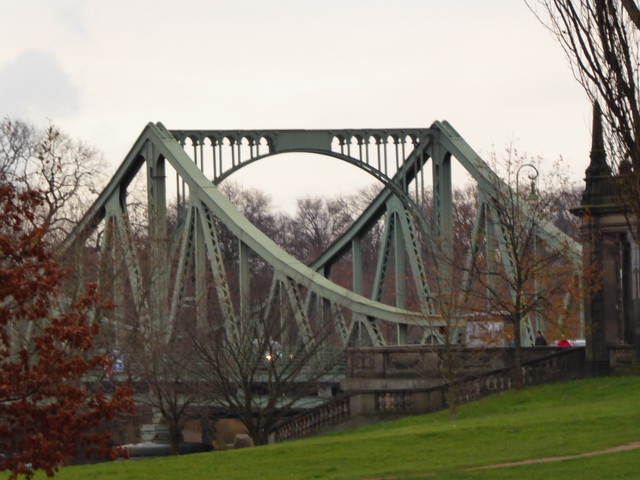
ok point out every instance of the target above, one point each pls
(417, 396)
(555, 366)
(622, 358)
(314, 420)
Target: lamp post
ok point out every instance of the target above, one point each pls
(532, 197)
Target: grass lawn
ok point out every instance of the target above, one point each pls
(547, 421)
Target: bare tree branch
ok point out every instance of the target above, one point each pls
(633, 11)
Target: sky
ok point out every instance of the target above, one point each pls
(102, 70)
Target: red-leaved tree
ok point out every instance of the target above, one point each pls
(52, 400)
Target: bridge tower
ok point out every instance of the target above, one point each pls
(612, 311)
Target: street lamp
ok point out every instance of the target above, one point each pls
(533, 196)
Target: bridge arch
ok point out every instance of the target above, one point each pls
(376, 174)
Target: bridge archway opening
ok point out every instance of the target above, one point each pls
(288, 177)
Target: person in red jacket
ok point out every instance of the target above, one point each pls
(564, 343)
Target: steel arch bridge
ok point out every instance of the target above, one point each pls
(183, 250)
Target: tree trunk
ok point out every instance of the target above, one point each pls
(452, 399)
(263, 438)
(254, 431)
(174, 438)
(517, 363)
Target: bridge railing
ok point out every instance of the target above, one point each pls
(560, 365)
(557, 366)
(314, 420)
(622, 358)
(563, 365)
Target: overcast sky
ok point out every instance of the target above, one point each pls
(102, 70)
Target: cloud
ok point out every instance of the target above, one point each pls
(34, 85)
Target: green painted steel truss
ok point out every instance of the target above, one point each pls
(183, 265)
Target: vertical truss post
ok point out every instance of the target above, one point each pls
(356, 246)
(384, 253)
(493, 250)
(358, 286)
(201, 287)
(401, 277)
(443, 205)
(159, 248)
(109, 272)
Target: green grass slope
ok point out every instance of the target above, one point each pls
(564, 419)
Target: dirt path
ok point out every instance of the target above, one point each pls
(620, 448)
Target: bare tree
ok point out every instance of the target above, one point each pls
(316, 224)
(601, 39)
(256, 205)
(457, 355)
(69, 173)
(525, 273)
(451, 307)
(17, 144)
(160, 369)
(561, 198)
(261, 370)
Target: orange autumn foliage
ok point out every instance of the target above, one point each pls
(52, 398)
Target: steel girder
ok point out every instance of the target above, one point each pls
(396, 157)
